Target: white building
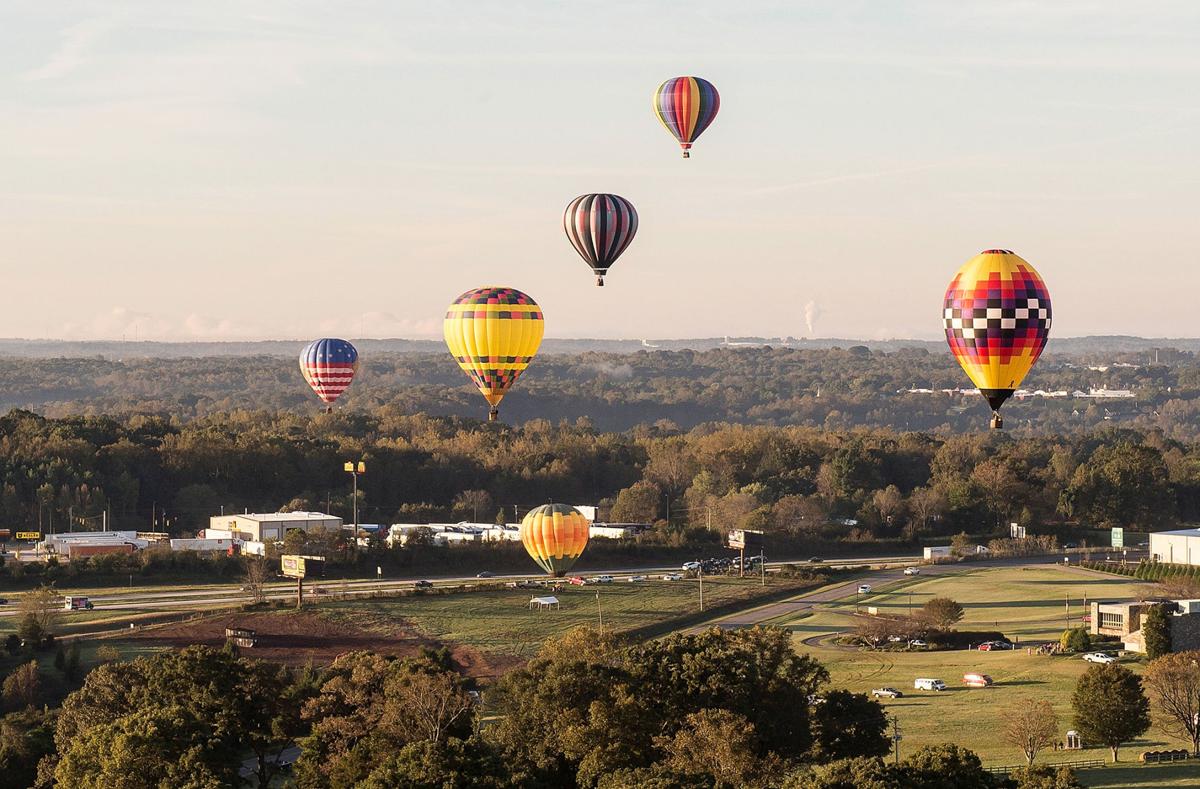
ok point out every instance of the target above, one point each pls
(59, 542)
(1181, 546)
(612, 531)
(205, 544)
(270, 526)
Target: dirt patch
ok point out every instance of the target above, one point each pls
(299, 638)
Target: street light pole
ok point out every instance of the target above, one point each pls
(354, 470)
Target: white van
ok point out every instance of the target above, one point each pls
(864, 589)
(925, 683)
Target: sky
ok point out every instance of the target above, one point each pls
(253, 170)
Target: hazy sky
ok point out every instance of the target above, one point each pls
(230, 170)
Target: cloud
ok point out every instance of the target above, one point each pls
(74, 46)
(812, 311)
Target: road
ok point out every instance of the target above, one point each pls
(226, 596)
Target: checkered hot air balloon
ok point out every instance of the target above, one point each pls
(600, 227)
(686, 106)
(329, 365)
(997, 319)
(555, 535)
(493, 333)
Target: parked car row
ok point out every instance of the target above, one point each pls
(995, 646)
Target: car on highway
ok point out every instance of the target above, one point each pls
(422, 584)
(576, 580)
(635, 579)
(1099, 657)
(815, 560)
(604, 579)
(77, 604)
(912, 570)
(887, 693)
(864, 589)
(672, 577)
(485, 574)
(691, 566)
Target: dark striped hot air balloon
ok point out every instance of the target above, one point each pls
(686, 106)
(555, 535)
(329, 365)
(600, 227)
(997, 319)
(493, 333)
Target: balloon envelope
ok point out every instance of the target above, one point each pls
(493, 333)
(600, 227)
(329, 365)
(555, 535)
(997, 318)
(686, 106)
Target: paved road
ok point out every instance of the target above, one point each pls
(224, 596)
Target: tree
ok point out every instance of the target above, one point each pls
(71, 668)
(1156, 631)
(847, 725)
(714, 742)
(473, 502)
(1174, 684)
(1110, 707)
(23, 686)
(255, 578)
(637, 504)
(926, 504)
(938, 766)
(25, 737)
(1045, 777)
(107, 653)
(60, 659)
(1077, 639)
(961, 544)
(430, 703)
(1030, 725)
(429, 764)
(1124, 484)
(942, 612)
(889, 503)
(858, 773)
(42, 607)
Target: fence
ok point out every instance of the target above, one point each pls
(1077, 764)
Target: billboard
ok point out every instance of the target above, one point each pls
(1016, 531)
(746, 540)
(29, 535)
(292, 566)
(1118, 537)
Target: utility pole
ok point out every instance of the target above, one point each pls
(762, 567)
(1067, 599)
(700, 575)
(896, 739)
(601, 612)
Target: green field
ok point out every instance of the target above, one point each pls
(1028, 605)
(499, 621)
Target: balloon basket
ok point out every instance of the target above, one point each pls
(493, 414)
(687, 155)
(997, 421)
(600, 282)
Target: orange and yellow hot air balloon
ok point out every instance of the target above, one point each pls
(555, 535)
(493, 333)
(997, 319)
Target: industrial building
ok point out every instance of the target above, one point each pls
(1181, 546)
(77, 545)
(1123, 620)
(270, 526)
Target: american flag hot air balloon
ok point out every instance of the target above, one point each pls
(329, 364)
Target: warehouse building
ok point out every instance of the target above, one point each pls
(270, 526)
(1181, 546)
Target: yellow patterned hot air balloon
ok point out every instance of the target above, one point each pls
(493, 333)
(997, 315)
(555, 536)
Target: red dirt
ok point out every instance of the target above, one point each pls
(299, 638)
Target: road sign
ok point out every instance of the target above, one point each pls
(746, 540)
(1016, 531)
(29, 535)
(1118, 537)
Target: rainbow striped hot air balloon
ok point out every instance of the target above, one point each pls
(555, 535)
(493, 333)
(686, 106)
(600, 227)
(329, 365)
(997, 319)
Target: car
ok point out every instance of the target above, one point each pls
(422, 584)
(815, 560)
(634, 579)
(864, 589)
(576, 580)
(917, 642)
(672, 577)
(925, 683)
(691, 566)
(912, 570)
(604, 579)
(895, 639)
(485, 574)
(1070, 546)
(974, 679)
(1099, 657)
(888, 693)
(994, 646)
(3, 601)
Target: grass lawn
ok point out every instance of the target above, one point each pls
(1026, 604)
(1154, 776)
(499, 620)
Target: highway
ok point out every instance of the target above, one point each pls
(230, 595)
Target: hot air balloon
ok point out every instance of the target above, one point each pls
(329, 365)
(600, 227)
(493, 333)
(555, 536)
(997, 319)
(686, 106)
